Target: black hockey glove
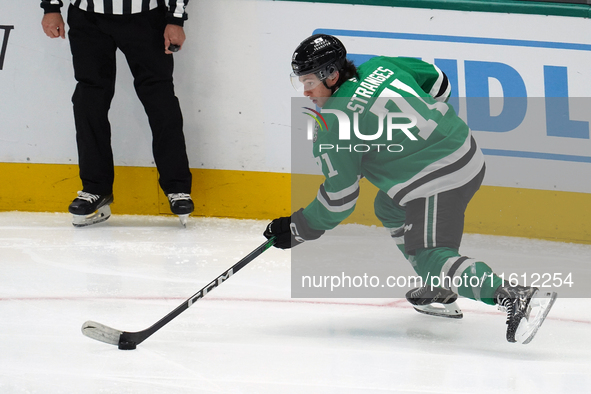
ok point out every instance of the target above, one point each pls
(291, 231)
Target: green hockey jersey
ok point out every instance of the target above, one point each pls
(391, 125)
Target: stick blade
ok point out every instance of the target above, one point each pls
(100, 332)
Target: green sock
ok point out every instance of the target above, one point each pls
(476, 281)
(479, 282)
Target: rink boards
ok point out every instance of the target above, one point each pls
(263, 195)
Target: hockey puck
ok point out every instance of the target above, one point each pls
(124, 345)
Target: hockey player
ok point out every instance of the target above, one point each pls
(424, 188)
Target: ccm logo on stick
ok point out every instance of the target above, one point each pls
(212, 285)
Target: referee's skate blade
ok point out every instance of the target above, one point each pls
(184, 219)
(100, 215)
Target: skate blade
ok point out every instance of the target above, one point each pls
(541, 303)
(184, 219)
(100, 215)
(450, 311)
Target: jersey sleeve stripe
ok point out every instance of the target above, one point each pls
(441, 89)
(444, 91)
(345, 192)
(339, 201)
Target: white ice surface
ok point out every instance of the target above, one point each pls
(248, 335)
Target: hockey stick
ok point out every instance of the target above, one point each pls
(129, 340)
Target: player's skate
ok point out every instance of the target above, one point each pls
(526, 308)
(181, 205)
(90, 209)
(423, 298)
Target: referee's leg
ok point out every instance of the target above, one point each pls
(142, 42)
(93, 55)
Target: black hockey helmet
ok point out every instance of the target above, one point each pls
(319, 54)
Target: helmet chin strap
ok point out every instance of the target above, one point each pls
(332, 88)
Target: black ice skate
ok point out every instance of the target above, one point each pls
(181, 205)
(519, 302)
(90, 209)
(423, 298)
